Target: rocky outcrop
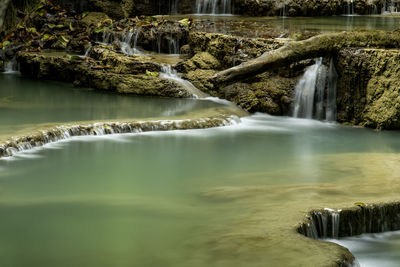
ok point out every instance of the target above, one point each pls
(213, 117)
(160, 36)
(230, 50)
(368, 85)
(269, 92)
(112, 72)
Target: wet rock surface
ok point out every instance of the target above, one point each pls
(368, 87)
(116, 75)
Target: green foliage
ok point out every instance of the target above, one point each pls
(5, 44)
(152, 74)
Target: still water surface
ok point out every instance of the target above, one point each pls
(144, 199)
(25, 102)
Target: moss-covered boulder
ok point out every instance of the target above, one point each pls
(108, 74)
(368, 88)
(230, 50)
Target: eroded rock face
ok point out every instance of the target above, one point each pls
(270, 92)
(230, 50)
(368, 85)
(111, 72)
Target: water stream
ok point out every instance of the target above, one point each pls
(374, 249)
(315, 93)
(214, 7)
(169, 73)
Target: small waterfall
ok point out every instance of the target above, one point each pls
(167, 72)
(173, 46)
(350, 8)
(106, 38)
(283, 11)
(214, 7)
(173, 7)
(11, 66)
(305, 92)
(315, 93)
(126, 43)
(331, 89)
(390, 6)
(46, 136)
(323, 224)
(87, 50)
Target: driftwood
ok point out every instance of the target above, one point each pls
(317, 46)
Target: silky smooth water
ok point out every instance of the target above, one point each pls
(25, 102)
(140, 199)
(274, 26)
(374, 249)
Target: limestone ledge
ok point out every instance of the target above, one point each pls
(47, 134)
(111, 72)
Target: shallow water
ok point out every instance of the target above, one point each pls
(374, 249)
(275, 26)
(151, 199)
(25, 102)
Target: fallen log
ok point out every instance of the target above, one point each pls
(317, 46)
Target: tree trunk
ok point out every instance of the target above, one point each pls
(3, 9)
(317, 46)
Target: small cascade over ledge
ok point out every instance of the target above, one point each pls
(167, 72)
(315, 93)
(349, 8)
(214, 7)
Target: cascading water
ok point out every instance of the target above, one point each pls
(331, 90)
(11, 66)
(214, 7)
(167, 72)
(126, 42)
(316, 93)
(173, 7)
(350, 8)
(390, 6)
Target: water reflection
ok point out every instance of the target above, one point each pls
(25, 102)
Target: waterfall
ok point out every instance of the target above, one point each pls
(126, 41)
(214, 7)
(350, 8)
(167, 72)
(305, 92)
(11, 66)
(87, 50)
(323, 224)
(283, 11)
(173, 7)
(315, 93)
(331, 89)
(390, 6)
